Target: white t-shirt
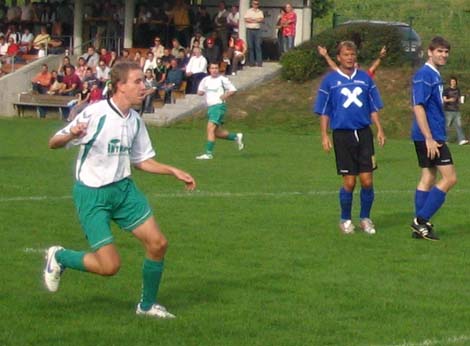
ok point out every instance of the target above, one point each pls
(214, 88)
(112, 143)
(197, 64)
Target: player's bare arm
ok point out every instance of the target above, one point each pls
(61, 140)
(431, 145)
(226, 95)
(325, 139)
(380, 132)
(152, 166)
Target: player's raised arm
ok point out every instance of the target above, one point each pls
(60, 140)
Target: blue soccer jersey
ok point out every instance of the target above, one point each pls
(427, 92)
(348, 100)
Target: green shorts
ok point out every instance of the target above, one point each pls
(121, 202)
(216, 113)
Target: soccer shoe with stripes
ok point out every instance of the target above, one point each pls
(367, 226)
(239, 141)
(52, 269)
(423, 231)
(156, 310)
(205, 157)
(346, 226)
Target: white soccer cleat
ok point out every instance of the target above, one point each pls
(239, 141)
(367, 226)
(205, 157)
(52, 270)
(346, 227)
(463, 142)
(156, 310)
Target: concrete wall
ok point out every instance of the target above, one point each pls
(16, 82)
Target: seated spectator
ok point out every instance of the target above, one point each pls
(236, 52)
(42, 81)
(91, 57)
(176, 47)
(174, 78)
(11, 55)
(13, 33)
(103, 74)
(26, 41)
(197, 37)
(167, 56)
(125, 55)
(159, 72)
(82, 101)
(150, 92)
(3, 47)
(90, 77)
(113, 59)
(212, 52)
(157, 48)
(71, 81)
(42, 38)
(196, 70)
(42, 50)
(56, 84)
(150, 62)
(138, 58)
(105, 55)
(64, 63)
(81, 68)
(182, 60)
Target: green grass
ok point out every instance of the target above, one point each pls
(255, 255)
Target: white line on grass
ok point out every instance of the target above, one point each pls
(432, 342)
(203, 194)
(33, 250)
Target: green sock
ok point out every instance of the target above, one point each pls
(151, 274)
(232, 136)
(209, 147)
(71, 259)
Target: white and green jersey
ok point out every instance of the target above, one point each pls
(112, 143)
(214, 87)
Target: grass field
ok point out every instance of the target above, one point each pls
(255, 255)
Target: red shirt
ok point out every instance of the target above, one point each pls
(95, 95)
(291, 18)
(69, 80)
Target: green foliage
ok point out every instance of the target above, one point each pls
(304, 63)
(320, 8)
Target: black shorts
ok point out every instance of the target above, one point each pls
(445, 157)
(354, 151)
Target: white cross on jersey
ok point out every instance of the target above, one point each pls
(352, 97)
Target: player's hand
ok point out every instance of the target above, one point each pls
(383, 52)
(381, 138)
(186, 178)
(326, 143)
(432, 148)
(79, 130)
(322, 50)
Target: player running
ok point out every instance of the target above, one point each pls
(112, 137)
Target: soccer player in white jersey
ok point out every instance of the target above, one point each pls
(217, 89)
(112, 137)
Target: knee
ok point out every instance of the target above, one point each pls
(451, 181)
(110, 268)
(158, 246)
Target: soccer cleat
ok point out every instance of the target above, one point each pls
(52, 270)
(205, 157)
(239, 141)
(463, 142)
(367, 226)
(423, 231)
(346, 227)
(156, 310)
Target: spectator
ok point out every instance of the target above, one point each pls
(138, 58)
(212, 53)
(197, 37)
(105, 56)
(125, 55)
(150, 62)
(203, 21)
(167, 56)
(282, 12)
(157, 48)
(90, 77)
(42, 81)
(13, 12)
(113, 59)
(64, 63)
(160, 72)
(451, 97)
(176, 46)
(3, 47)
(56, 84)
(195, 70)
(27, 13)
(13, 33)
(42, 38)
(83, 97)
(182, 60)
(253, 19)
(81, 68)
(150, 92)
(220, 23)
(173, 80)
(71, 81)
(288, 23)
(236, 52)
(233, 19)
(102, 73)
(91, 57)
(181, 20)
(26, 41)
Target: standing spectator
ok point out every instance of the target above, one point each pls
(288, 23)
(195, 70)
(13, 12)
(220, 23)
(27, 13)
(217, 90)
(451, 108)
(104, 170)
(102, 73)
(429, 136)
(282, 12)
(203, 21)
(253, 19)
(348, 101)
(233, 19)
(181, 20)
(42, 81)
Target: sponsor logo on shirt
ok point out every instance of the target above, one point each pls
(115, 148)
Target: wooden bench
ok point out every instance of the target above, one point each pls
(27, 99)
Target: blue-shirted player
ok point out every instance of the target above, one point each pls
(429, 136)
(348, 101)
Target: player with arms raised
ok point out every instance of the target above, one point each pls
(112, 137)
(348, 101)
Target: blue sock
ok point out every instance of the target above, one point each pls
(345, 201)
(420, 199)
(367, 199)
(434, 201)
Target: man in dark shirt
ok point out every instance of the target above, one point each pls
(212, 52)
(173, 80)
(451, 98)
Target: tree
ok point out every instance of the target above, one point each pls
(320, 8)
